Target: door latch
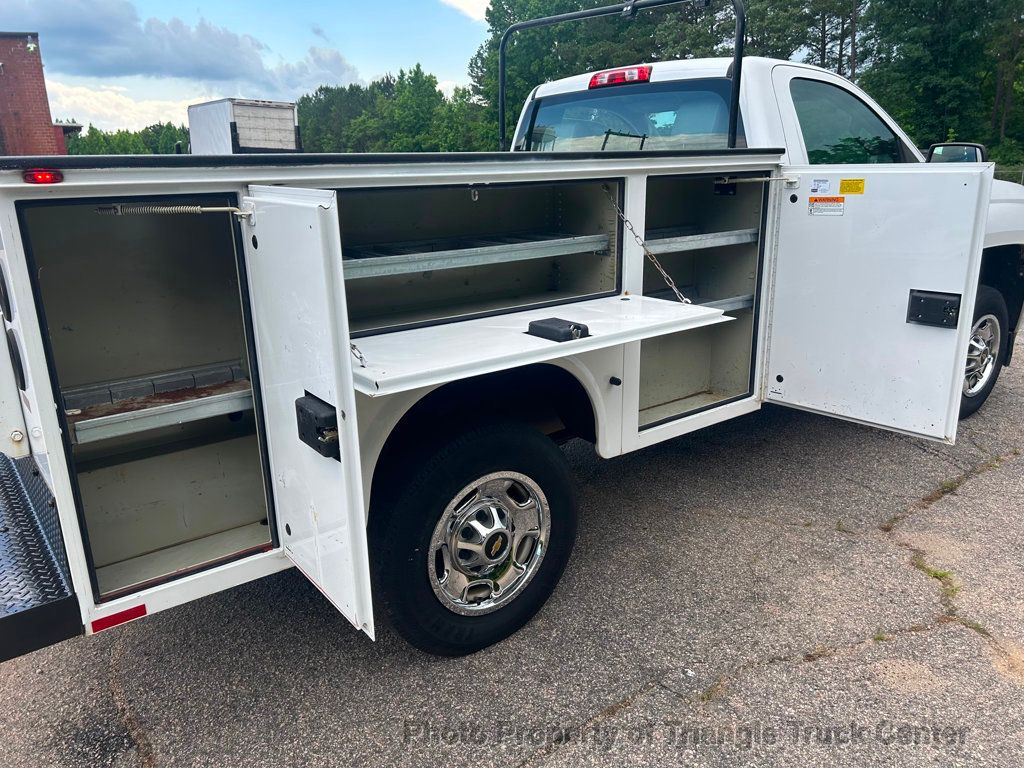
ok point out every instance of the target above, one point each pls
(318, 425)
(327, 434)
(932, 308)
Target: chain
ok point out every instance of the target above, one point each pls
(358, 355)
(647, 251)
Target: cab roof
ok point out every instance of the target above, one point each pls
(667, 71)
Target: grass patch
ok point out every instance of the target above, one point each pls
(935, 573)
(974, 625)
(880, 637)
(950, 588)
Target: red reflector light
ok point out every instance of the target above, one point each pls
(621, 76)
(119, 618)
(42, 176)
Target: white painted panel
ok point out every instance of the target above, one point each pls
(396, 362)
(12, 420)
(839, 336)
(209, 128)
(293, 253)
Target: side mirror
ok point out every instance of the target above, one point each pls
(957, 152)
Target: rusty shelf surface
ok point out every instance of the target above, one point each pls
(138, 414)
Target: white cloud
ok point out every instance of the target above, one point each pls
(108, 38)
(447, 87)
(111, 107)
(475, 9)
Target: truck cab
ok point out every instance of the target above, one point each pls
(815, 116)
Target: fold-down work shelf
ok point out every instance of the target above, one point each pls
(396, 362)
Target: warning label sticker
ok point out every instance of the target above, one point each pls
(851, 187)
(826, 206)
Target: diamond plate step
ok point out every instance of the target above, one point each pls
(37, 604)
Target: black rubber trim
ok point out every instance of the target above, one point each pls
(14, 349)
(68, 162)
(5, 297)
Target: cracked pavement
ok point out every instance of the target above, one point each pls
(781, 589)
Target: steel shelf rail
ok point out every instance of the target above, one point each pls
(659, 243)
(382, 260)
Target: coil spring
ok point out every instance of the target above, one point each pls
(125, 209)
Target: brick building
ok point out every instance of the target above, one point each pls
(26, 127)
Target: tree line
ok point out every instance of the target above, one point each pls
(944, 69)
(156, 139)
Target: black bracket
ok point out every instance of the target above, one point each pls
(556, 329)
(932, 308)
(318, 425)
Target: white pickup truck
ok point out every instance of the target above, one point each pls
(362, 365)
(817, 117)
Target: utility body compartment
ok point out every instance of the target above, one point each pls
(185, 357)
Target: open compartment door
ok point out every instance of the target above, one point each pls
(876, 271)
(293, 258)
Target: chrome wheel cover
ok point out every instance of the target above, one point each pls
(489, 543)
(982, 354)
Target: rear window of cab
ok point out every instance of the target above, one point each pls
(678, 115)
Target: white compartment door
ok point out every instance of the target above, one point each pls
(876, 270)
(293, 260)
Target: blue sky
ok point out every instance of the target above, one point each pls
(129, 63)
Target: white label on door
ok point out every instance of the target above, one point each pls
(826, 206)
(820, 186)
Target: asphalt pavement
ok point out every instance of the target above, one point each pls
(779, 590)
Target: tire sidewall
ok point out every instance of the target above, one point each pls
(402, 539)
(989, 302)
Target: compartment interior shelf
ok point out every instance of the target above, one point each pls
(181, 558)
(682, 239)
(656, 413)
(138, 414)
(425, 256)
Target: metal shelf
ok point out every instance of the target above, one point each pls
(403, 258)
(126, 417)
(662, 241)
(730, 304)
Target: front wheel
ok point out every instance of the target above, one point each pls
(472, 539)
(986, 350)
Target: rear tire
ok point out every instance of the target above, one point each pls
(990, 337)
(470, 539)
